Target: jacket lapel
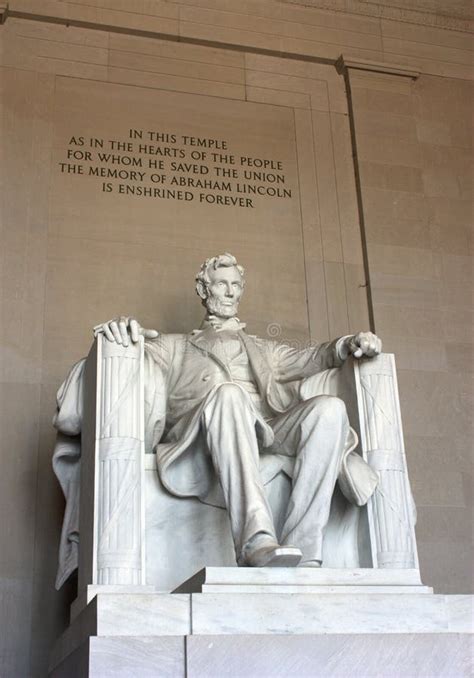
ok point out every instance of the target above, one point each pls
(203, 340)
(259, 364)
(268, 387)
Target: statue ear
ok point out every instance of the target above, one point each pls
(201, 289)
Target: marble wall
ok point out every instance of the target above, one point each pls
(415, 150)
(73, 256)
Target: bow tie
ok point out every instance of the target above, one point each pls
(219, 325)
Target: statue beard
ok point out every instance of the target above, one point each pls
(216, 307)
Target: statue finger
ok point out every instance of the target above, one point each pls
(149, 334)
(354, 343)
(123, 330)
(377, 346)
(107, 332)
(364, 345)
(134, 330)
(358, 353)
(115, 331)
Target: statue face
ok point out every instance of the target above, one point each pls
(224, 291)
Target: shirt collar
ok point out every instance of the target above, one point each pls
(219, 324)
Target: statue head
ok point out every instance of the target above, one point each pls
(220, 284)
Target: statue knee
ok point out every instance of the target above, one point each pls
(329, 407)
(229, 393)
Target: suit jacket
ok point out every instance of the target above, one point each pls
(183, 372)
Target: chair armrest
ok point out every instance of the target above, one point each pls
(112, 469)
(370, 392)
(391, 510)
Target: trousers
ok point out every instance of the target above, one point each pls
(314, 433)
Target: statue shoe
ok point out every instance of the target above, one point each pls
(273, 555)
(310, 563)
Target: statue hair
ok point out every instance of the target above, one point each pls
(203, 280)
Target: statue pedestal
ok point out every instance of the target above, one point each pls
(302, 580)
(271, 622)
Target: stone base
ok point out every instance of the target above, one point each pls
(276, 656)
(271, 622)
(93, 589)
(302, 580)
(125, 657)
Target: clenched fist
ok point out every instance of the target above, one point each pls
(361, 344)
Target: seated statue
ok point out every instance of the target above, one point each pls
(225, 412)
(234, 413)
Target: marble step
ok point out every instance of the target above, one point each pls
(276, 580)
(303, 580)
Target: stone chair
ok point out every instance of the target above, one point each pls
(135, 534)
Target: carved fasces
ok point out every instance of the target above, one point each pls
(391, 510)
(119, 464)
